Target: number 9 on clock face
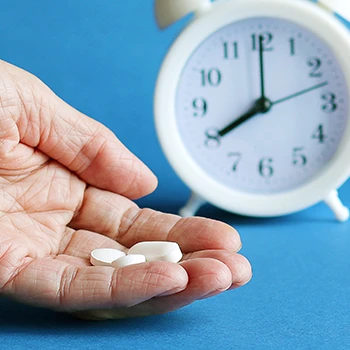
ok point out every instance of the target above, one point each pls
(261, 113)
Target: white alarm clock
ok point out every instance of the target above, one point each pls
(252, 104)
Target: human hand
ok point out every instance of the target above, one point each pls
(66, 188)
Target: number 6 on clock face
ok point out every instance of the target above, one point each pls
(260, 105)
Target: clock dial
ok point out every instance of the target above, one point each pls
(262, 105)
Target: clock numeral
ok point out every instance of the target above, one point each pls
(212, 77)
(299, 159)
(331, 105)
(237, 158)
(292, 46)
(267, 40)
(200, 107)
(230, 50)
(319, 134)
(316, 64)
(265, 167)
(213, 139)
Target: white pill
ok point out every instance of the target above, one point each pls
(130, 259)
(105, 256)
(158, 251)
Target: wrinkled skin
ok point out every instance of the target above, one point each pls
(66, 188)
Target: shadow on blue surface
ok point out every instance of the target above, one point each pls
(317, 214)
(309, 216)
(16, 318)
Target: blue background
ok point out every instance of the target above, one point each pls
(103, 57)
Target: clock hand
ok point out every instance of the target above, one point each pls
(263, 105)
(302, 92)
(261, 59)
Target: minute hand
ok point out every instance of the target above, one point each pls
(261, 62)
(302, 92)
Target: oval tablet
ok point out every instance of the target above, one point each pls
(105, 256)
(130, 259)
(158, 251)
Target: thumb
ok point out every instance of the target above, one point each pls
(32, 115)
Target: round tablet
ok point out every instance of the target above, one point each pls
(158, 251)
(130, 259)
(105, 256)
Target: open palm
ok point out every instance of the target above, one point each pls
(66, 188)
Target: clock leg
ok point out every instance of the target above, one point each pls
(192, 206)
(341, 212)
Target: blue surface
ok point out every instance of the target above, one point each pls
(103, 58)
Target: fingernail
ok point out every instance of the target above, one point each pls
(172, 291)
(214, 293)
(241, 284)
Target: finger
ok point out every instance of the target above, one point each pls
(206, 276)
(120, 219)
(81, 243)
(72, 260)
(56, 284)
(33, 115)
(238, 265)
(21, 161)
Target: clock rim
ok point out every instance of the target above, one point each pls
(331, 177)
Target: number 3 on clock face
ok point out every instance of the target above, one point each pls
(261, 110)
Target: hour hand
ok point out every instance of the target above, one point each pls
(263, 105)
(213, 136)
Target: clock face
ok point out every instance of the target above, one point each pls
(262, 105)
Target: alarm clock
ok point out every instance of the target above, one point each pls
(252, 104)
